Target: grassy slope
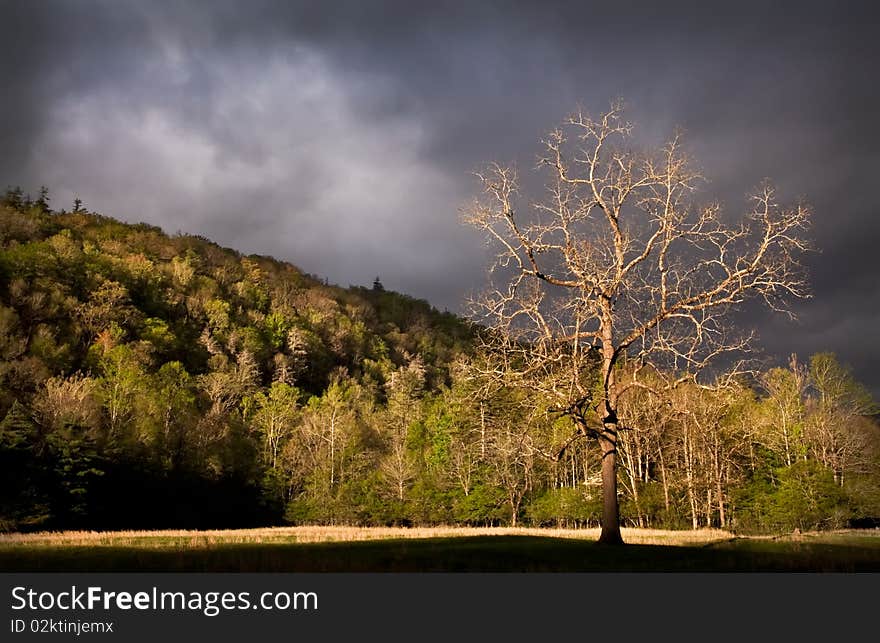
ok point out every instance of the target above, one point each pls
(845, 552)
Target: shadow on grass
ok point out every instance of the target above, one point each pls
(462, 554)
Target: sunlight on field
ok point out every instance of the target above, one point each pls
(316, 534)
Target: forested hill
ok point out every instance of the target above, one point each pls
(126, 345)
(78, 283)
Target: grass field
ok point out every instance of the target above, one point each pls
(352, 549)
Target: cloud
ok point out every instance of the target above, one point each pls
(343, 140)
(278, 159)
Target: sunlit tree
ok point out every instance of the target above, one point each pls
(616, 262)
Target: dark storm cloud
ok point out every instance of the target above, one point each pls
(341, 137)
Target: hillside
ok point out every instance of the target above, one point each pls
(149, 350)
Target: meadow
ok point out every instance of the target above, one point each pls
(440, 549)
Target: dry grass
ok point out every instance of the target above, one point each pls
(186, 539)
(438, 549)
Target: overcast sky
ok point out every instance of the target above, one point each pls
(342, 136)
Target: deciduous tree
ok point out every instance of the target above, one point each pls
(617, 263)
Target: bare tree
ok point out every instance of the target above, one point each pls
(835, 426)
(617, 264)
(785, 414)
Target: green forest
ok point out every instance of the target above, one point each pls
(150, 380)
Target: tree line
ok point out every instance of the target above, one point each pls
(149, 380)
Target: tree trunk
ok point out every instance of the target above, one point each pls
(708, 506)
(633, 471)
(663, 478)
(608, 437)
(610, 510)
(719, 483)
(689, 477)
